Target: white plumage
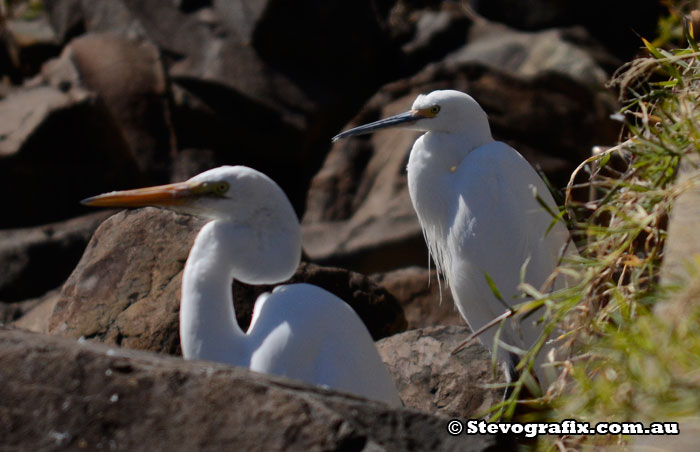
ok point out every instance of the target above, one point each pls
(475, 203)
(299, 331)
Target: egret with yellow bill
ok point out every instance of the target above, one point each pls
(299, 331)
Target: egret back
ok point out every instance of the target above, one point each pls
(306, 333)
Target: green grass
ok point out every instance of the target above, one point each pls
(628, 362)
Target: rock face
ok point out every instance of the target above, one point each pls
(63, 395)
(37, 259)
(126, 288)
(425, 301)
(37, 312)
(242, 69)
(682, 248)
(129, 77)
(10, 312)
(608, 22)
(431, 380)
(26, 41)
(35, 164)
(528, 54)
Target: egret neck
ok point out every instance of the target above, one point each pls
(208, 326)
(442, 152)
(434, 162)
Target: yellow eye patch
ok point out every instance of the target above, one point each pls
(430, 112)
(212, 188)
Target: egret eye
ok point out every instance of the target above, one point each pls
(431, 112)
(220, 188)
(211, 188)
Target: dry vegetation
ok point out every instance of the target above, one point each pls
(619, 358)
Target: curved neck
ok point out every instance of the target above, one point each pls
(435, 157)
(208, 326)
(262, 252)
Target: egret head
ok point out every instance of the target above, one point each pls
(230, 193)
(446, 111)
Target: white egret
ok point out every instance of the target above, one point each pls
(299, 331)
(475, 203)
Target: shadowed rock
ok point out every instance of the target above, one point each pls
(35, 260)
(243, 69)
(129, 78)
(63, 395)
(528, 54)
(419, 293)
(56, 149)
(29, 42)
(10, 312)
(617, 24)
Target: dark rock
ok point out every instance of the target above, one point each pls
(63, 395)
(430, 379)
(427, 33)
(419, 293)
(35, 260)
(126, 288)
(237, 129)
(66, 17)
(190, 162)
(322, 36)
(359, 214)
(129, 78)
(192, 5)
(9, 312)
(266, 84)
(29, 43)
(57, 148)
(528, 54)
(616, 24)
(377, 308)
(246, 69)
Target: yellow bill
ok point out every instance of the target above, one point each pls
(161, 195)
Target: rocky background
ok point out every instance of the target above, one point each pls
(98, 95)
